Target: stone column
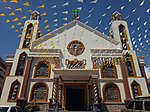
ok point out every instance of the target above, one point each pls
(57, 62)
(125, 81)
(63, 98)
(96, 100)
(21, 101)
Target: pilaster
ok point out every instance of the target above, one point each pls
(22, 99)
(125, 82)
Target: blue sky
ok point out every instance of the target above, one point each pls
(95, 13)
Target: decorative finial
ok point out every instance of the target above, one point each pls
(35, 15)
(75, 14)
(116, 16)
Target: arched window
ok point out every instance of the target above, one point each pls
(108, 70)
(123, 37)
(28, 36)
(136, 89)
(42, 69)
(21, 64)
(130, 65)
(14, 91)
(39, 92)
(111, 93)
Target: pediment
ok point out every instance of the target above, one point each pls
(73, 24)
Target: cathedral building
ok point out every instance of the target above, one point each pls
(75, 66)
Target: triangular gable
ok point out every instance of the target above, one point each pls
(68, 26)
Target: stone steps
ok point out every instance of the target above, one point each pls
(75, 111)
(64, 111)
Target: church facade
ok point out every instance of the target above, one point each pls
(76, 66)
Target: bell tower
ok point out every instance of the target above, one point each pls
(120, 32)
(31, 31)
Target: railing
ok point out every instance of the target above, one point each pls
(75, 64)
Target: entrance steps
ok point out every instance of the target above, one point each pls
(76, 111)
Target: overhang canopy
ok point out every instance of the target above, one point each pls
(75, 74)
